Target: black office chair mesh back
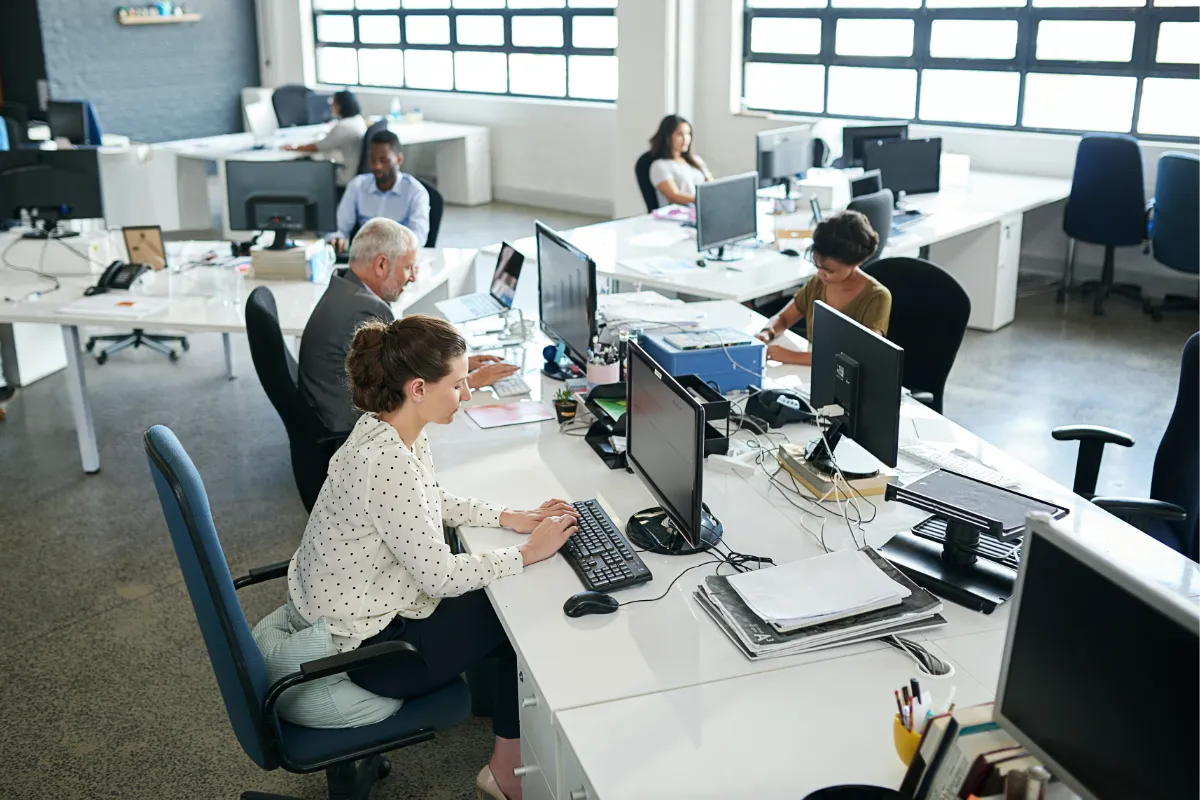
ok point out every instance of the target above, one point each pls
(291, 104)
(929, 318)
(437, 205)
(310, 442)
(642, 170)
(372, 129)
(877, 208)
(1176, 477)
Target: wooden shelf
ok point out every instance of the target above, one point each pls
(130, 19)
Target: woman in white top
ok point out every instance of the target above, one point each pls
(374, 560)
(344, 142)
(676, 170)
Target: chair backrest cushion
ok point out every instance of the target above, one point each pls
(930, 310)
(437, 206)
(333, 702)
(239, 668)
(1176, 234)
(1107, 204)
(878, 208)
(291, 104)
(372, 129)
(1176, 477)
(641, 171)
(276, 368)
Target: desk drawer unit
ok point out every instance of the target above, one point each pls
(538, 739)
(573, 783)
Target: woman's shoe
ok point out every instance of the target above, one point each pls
(486, 787)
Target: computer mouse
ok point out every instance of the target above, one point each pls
(787, 251)
(584, 603)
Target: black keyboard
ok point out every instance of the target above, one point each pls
(600, 554)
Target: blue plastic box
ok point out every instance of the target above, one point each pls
(731, 368)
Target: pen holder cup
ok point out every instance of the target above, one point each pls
(906, 741)
(600, 374)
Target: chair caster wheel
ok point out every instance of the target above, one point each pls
(173, 356)
(385, 768)
(90, 346)
(184, 344)
(100, 359)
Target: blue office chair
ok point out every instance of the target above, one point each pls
(1107, 206)
(94, 133)
(1171, 516)
(239, 667)
(1174, 234)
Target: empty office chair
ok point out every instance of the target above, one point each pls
(1170, 516)
(642, 171)
(1107, 206)
(929, 318)
(437, 206)
(158, 342)
(878, 208)
(1174, 231)
(95, 137)
(241, 671)
(291, 104)
(375, 127)
(310, 442)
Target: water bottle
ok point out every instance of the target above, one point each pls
(396, 109)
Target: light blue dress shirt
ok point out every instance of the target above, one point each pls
(407, 202)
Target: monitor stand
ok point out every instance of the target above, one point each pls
(950, 570)
(47, 228)
(725, 253)
(853, 465)
(281, 240)
(652, 530)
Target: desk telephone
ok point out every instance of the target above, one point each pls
(117, 275)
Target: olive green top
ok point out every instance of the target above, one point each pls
(872, 307)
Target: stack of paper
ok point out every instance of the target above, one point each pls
(117, 304)
(818, 603)
(649, 309)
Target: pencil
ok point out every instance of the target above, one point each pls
(899, 705)
(911, 722)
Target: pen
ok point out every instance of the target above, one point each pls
(916, 688)
(899, 706)
(904, 693)
(910, 713)
(950, 700)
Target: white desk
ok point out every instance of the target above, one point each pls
(972, 231)
(166, 184)
(198, 304)
(651, 657)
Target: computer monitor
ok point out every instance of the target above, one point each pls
(1085, 637)
(867, 183)
(51, 185)
(783, 153)
(566, 293)
(912, 166)
(285, 197)
(726, 213)
(664, 428)
(854, 137)
(859, 370)
(68, 120)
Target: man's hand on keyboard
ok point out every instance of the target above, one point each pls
(526, 521)
(489, 372)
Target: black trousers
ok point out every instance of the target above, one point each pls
(459, 634)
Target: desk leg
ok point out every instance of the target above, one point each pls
(228, 342)
(81, 406)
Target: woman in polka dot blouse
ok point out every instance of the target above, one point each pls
(374, 562)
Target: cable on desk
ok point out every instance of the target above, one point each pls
(39, 272)
(927, 662)
(670, 586)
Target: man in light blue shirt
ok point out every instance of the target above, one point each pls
(385, 192)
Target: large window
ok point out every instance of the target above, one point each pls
(531, 48)
(1128, 66)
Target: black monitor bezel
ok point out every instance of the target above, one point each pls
(882, 144)
(579, 358)
(851, 134)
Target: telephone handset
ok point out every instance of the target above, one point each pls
(117, 275)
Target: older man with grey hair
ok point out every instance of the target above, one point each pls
(383, 259)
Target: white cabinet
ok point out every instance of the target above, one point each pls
(539, 745)
(985, 262)
(573, 783)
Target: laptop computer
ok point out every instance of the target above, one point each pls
(486, 304)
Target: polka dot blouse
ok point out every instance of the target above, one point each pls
(374, 545)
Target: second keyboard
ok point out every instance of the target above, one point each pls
(600, 554)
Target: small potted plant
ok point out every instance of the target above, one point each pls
(564, 405)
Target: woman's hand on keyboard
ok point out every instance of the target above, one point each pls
(526, 521)
(547, 538)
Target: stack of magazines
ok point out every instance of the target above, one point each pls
(836, 599)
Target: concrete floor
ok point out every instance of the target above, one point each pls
(105, 687)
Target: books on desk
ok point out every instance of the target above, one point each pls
(822, 485)
(873, 599)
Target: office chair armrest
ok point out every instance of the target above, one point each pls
(1141, 507)
(1092, 433)
(925, 398)
(269, 572)
(334, 665)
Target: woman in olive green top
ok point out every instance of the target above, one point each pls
(840, 244)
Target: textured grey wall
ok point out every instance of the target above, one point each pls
(153, 82)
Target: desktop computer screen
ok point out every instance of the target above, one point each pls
(783, 153)
(867, 183)
(566, 293)
(912, 166)
(1100, 678)
(726, 213)
(854, 137)
(51, 184)
(665, 446)
(282, 196)
(68, 120)
(860, 371)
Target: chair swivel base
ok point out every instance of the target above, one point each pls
(138, 338)
(1172, 302)
(348, 781)
(1102, 292)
